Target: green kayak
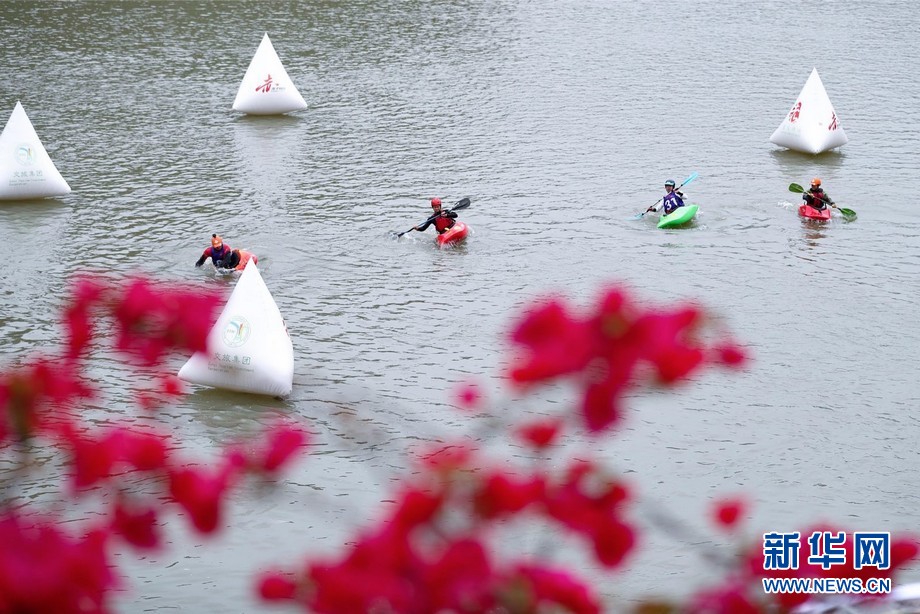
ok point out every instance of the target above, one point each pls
(678, 218)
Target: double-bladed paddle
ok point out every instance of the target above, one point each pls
(461, 204)
(686, 181)
(847, 213)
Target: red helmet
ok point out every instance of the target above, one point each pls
(815, 181)
(435, 202)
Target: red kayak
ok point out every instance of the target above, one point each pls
(245, 257)
(811, 213)
(454, 234)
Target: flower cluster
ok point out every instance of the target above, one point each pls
(617, 345)
(438, 547)
(44, 568)
(433, 552)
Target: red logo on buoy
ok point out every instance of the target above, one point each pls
(794, 113)
(833, 125)
(267, 86)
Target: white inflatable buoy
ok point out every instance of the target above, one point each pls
(26, 170)
(266, 88)
(811, 125)
(249, 349)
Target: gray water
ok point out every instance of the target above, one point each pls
(560, 121)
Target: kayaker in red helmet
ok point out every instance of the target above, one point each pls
(442, 220)
(672, 199)
(219, 253)
(816, 197)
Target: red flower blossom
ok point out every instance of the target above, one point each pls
(31, 398)
(416, 507)
(558, 344)
(605, 350)
(136, 524)
(77, 316)
(151, 323)
(468, 396)
(276, 586)
(540, 434)
(284, 441)
(201, 495)
(43, 569)
(728, 512)
(501, 494)
(731, 355)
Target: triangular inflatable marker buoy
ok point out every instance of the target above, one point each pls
(249, 349)
(811, 125)
(266, 88)
(26, 170)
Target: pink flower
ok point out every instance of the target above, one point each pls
(558, 344)
(276, 586)
(502, 494)
(468, 396)
(540, 434)
(43, 569)
(284, 442)
(201, 495)
(728, 512)
(416, 507)
(731, 355)
(137, 524)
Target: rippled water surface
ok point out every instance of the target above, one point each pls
(561, 121)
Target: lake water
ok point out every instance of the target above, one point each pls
(560, 121)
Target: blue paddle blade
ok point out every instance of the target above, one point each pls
(689, 179)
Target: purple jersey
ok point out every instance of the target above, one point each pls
(671, 202)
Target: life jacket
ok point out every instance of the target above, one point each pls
(220, 254)
(441, 224)
(671, 202)
(815, 199)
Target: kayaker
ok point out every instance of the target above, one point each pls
(218, 253)
(816, 197)
(671, 200)
(442, 220)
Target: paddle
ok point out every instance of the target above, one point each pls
(686, 181)
(461, 204)
(847, 213)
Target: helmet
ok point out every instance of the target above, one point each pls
(216, 241)
(816, 181)
(669, 182)
(435, 202)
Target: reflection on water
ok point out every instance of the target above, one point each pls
(800, 167)
(268, 150)
(813, 231)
